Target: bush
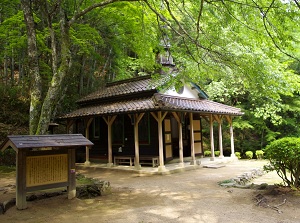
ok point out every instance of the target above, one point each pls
(259, 154)
(8, 157)
(284, 157)
(249, 155)
(207, 153)
(217, 153)
(238, 155)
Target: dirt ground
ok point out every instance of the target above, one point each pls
(190, 196)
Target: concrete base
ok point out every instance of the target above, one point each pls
(138, 167)
(110, 164)
(161, 169)
(87, 163)
(195, 162)
(233, 157)
(212, 158)
(72, 194)
(181, 164)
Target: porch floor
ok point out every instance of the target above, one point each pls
(169, 168)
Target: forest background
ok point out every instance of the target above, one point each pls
(244, 53)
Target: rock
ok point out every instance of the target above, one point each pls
(1, 209)
(97, 189)
(9, 204)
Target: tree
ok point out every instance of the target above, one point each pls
(214, 40)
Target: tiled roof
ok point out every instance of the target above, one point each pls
(167, 102)
(127, 106)
(156, 102)
(120, 88)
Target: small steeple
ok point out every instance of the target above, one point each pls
(165, 58)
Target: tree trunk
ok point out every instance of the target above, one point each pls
(54, 90)
(34, 72)
(12, 68)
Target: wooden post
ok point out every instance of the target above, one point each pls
(212, 146)
(220, 140)
(21, 202)
(179, 120)
(137, 119)
(159, 118)
(87, 148)
(193, 161)
(219, 120)
(69, 125)
(72, 174)
(109, 121)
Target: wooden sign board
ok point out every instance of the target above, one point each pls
(48, 169)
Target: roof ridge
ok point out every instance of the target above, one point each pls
(109, 84)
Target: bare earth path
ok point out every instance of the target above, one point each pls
(191, 196)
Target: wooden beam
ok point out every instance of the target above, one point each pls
(109, 121)
(137, 118)
(69, 124)
(21, 180)
(220, 139)
(87, 135)
(192, 137)
(72, 174)
(159, 118)
(212, 146)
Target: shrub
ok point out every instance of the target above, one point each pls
(249, 155)
(8, 157)
(207, 153)
(284, 157)
(259, 154)
(217, 153)
(238, 155)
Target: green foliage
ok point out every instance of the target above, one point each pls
(217, 153)
(249, 154)
(284, 157)
(8, 157)
(14, 105)
(259, 154)
(207, 153)
(238, 155)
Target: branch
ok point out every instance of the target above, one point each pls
(96, 5)
(265, 21)
(297, 3)
(199, 16)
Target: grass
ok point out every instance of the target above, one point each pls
(82, 180)
(7, 169)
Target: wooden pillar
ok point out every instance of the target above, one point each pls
(193, 158)
(137, 118)
(229, 119)
(21, 202)
(109, 121)
(220, 140)
(69, 125)
(72, 174)
(212, 146)
(179, 119)
(87, 148)
(159, 118)
(219, 120)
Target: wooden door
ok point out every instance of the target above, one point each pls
(168, 139)
(197, 137)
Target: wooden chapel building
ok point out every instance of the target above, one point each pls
(134, 119)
